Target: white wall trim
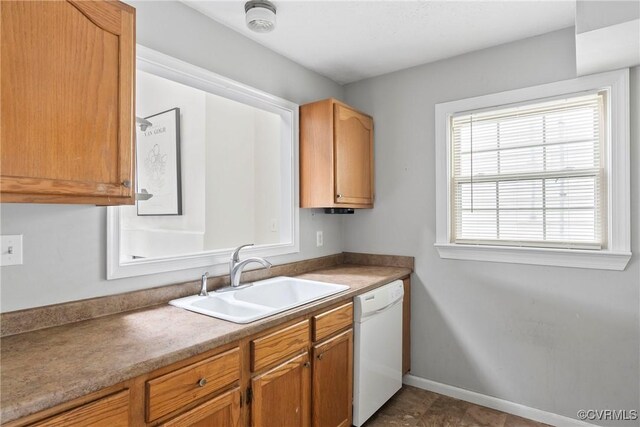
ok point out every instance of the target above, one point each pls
(493, 402)
(600, 260)
(617, 175)
(608, 48)
(174, 69)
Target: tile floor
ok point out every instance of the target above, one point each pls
(420, 408)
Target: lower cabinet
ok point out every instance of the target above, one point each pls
(282, 395)
(176, 390)
(221, 411)
(300, 391)
(333, 381)
(109, 411)
(298, 374)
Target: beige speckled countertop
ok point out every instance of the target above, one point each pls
(43, 368)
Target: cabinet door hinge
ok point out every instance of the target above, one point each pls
(241, 399)
(249, 395)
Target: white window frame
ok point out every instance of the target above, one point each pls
(617, 176)
(171, 68)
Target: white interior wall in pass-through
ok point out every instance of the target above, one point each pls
(230, 173)
(65, 246)
(553, 338)
(242, 175)
(155, 236)
(267, 197)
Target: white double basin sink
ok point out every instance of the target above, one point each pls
(262, 299)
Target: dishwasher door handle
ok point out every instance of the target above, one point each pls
(382, 310)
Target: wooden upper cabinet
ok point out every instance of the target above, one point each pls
(336, 156)
(353, 143)
(67, 98)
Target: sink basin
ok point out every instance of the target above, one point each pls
(286, 292)
(262, 299)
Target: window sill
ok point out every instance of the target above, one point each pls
(600, 260)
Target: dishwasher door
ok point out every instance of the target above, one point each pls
(377, 349)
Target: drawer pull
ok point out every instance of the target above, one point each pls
(307, 364)
(126, 183)
(202, 382)
(320, 356)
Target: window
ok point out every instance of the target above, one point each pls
(537, 175)
(237, 177)
(530, 175)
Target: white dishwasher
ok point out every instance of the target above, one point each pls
(377, 349)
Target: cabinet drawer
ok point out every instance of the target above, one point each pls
(176, 389)
(110, 411)
(221, 411)
(278, 345)
(332, 321)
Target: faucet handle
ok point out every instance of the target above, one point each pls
(235, 256)
(203, 285)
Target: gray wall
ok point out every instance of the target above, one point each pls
(592, 14)
(557, 339)
(65, 246)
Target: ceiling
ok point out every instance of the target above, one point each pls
(348, 41)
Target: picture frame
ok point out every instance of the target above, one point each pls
(158, 165)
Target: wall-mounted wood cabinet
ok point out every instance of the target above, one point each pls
(336, 156)
(67, 99)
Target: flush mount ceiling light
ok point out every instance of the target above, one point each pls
(261, 15)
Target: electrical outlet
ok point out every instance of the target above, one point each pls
(11, 250)
(319, 239)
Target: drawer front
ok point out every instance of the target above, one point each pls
(176, 389)
(110, 411)
(278, 345)
(221, 411)
(332, 321)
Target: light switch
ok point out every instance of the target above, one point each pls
(11, 249)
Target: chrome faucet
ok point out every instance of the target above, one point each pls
(236, 266)
(203, 285)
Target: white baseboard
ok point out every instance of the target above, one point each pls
(494, 402)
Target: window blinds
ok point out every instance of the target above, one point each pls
(530, 175)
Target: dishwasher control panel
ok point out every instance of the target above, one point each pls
(378, 299)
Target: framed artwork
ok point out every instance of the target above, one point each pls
(158, 164)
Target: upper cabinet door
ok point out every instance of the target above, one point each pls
(353, 156)
(336, 156)
(67, 98)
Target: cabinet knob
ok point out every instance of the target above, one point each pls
(307, 364)
(202, 382)
(320, 356)
(126, 183)
(338, 195)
